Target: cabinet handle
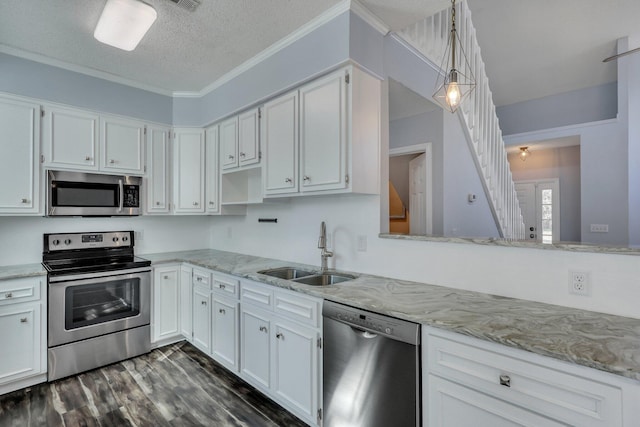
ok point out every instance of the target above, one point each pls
(195, 203)
(8, 295)
(24, 200)
(263, 329)
(505, 380)
(287, 180)
(203, 302)
(242, 154)
(112, 161)
(212, 203)
(87, 158)
(166, 277)
(23, 320)
(231, 157)
(280, 336)
(221, 311)
(306, 178)
(199, 279)
(222, 286)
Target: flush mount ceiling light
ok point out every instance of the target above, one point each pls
(123, 23)
(455, 80)
(524, 153)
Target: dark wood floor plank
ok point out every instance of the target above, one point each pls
(80, 417)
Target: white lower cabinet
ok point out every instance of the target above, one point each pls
(280, 355)
(202, 317)
(186, 273)
(225, 332)
(470, 382)
(166, 304)
(22, 333)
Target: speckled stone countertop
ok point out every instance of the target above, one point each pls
(601, 341)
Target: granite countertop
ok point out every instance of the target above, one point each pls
(596, 340)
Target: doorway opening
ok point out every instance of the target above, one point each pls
(410, 190)
(540, 206)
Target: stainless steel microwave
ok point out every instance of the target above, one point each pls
(90, 194)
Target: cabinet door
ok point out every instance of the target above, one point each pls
(189, 163)
(249, 138)
(323, 133)
(19, 161)
(453, 405)
(229, 143)
(280, 143)
(224, 343)
(70, 139)
(185, 301)
(157, 181)
(255, 346)
(295, 366)
(166, 303)
(20, 338)
(212, 170)
(121, 145)
(202, 318)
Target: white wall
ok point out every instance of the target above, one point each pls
(21, 237)
(533, 274)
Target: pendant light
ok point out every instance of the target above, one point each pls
(455, 80)
(123, 23)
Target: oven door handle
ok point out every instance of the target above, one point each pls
(97, 275)
(121, 192)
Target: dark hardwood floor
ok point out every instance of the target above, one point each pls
(176, 385)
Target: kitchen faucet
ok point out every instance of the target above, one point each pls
(322, 244)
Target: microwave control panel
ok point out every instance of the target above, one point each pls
(131, 196)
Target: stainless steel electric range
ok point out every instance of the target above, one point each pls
(99, 298)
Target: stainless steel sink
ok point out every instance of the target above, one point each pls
(287, 273)
(324, 279)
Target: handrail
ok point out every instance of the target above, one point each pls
(477, 114)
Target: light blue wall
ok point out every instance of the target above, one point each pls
(318, 51)
(32, 79)
(578, 106)
(366, 46)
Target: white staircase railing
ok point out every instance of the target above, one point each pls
(477, 113)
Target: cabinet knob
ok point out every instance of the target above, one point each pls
(157, 203)
(24, 200)
(8, 295)
(212, 203)
(287, 180)
(195, 203)
(242, 154)
(306, 178)
(199, 279)
(166, 277)
(231, 157)
(203, 302)
(222, 286)
(87, 158)
(23, 320)
(280, 336)
(112, 161)
(505, 380)
(221, 311)
(263, 329)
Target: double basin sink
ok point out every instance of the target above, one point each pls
(307, 277)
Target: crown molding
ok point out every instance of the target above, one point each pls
(103, 75)
(369, 17)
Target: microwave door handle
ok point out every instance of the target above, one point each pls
(121, 186)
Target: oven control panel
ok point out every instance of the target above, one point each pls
(71, 241)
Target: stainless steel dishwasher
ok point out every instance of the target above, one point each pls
(371, 369)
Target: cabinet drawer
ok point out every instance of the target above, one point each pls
(202, 277)
(297, 307)
(257, 294)
(225, 285)
(530, 381)
(19, 290)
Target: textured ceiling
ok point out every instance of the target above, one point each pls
(531, 48)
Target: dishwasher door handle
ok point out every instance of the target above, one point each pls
(364, 333)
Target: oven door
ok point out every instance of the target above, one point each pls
(90, 305)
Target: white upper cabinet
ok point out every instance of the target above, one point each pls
(249, 137)
(323, 133)
(229, 143)
(212, 172)
(280, 143)
(70, 139)
(188, 171)
(19, 161)
(121, 145)
(157, 181)
(324, 138)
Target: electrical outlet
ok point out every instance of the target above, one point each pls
(579, 283)
(362, 243)
(139, 235)
(229, 232)
(599, 228)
